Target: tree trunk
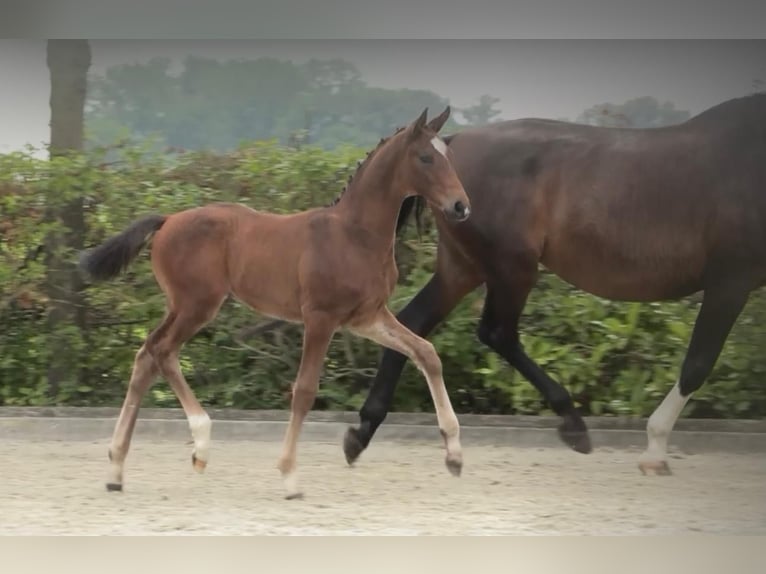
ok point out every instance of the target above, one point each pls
(68, 64)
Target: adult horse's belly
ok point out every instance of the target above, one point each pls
(632, 265)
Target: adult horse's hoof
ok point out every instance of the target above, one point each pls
(655, 467)
(352, 445)
(574, 433)
(113, 487)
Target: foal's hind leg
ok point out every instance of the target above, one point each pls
(387, 331)
(165, 345)
(145, 372)
(721, 305)
(317, 334)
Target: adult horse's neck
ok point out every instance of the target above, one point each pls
(372, 200)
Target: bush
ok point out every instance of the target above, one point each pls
(615, 358)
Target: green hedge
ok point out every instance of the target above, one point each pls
(615, 358)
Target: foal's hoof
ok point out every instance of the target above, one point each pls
(198, 464)
(113, 487)
(656, 467)
(454, 466)
(352, 445)
(573, 433)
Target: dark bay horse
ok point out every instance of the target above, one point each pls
(624, 214)
(328, 268)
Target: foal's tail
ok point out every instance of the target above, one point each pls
(114, 255)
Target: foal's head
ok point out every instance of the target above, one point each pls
(425, 168)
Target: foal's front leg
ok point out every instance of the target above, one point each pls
(317, 334)
(389, 332)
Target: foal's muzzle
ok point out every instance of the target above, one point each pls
(459, 211)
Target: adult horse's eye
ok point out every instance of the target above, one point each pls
(427, 158)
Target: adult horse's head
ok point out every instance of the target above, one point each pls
(427, 170)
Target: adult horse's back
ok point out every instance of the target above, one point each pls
(625, 214)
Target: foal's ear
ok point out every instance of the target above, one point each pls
(417, 126)
(438, 122)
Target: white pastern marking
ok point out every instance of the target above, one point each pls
(439, 145)
(662, 421)
(200, 429)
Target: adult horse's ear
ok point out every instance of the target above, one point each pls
(417, 126)
(438, 122)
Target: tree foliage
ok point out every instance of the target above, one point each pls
(216, 105)
(483, 112)
(643, 112)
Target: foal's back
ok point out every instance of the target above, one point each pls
(208, 252)
(269, 261)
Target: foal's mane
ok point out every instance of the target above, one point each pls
(408, 203)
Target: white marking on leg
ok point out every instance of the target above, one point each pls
(660, 424)
(439, 145)
(200, 426)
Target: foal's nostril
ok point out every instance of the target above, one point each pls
(461, 210)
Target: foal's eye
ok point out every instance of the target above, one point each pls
(427, 158)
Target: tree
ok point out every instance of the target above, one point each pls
(481, 113)
(643, 112)
(68, 63)
(216, 105)
(332, 75)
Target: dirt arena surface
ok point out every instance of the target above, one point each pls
(54, 488)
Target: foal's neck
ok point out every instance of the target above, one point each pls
(372, 200)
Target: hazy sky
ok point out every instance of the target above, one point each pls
(532, 78)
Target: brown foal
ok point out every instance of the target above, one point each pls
(329, 268)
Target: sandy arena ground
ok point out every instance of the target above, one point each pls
(49, 488)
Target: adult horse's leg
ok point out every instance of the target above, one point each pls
(721, 305)
(317, 334)
(453, 280)
(389, 332)
(499, 330)
(145, 372)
